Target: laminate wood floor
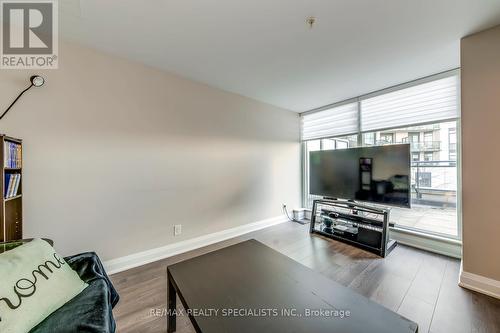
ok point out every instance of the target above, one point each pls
(419, 285)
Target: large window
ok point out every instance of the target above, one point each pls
(425, 116)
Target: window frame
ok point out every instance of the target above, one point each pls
(425, 181)
(452, 132)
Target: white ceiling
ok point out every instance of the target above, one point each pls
(263, 49)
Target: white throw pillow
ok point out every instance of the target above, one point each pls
(34, 282)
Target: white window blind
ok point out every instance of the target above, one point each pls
(340, 120)
(427, 102)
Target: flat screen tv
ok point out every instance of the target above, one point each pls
(372, 174)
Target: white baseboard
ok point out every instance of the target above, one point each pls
(479, 283)
(138, 259)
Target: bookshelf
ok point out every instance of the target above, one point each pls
(11, 213)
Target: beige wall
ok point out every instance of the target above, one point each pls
(480, 57)
(116, 153)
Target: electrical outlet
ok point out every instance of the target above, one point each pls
(177, 229)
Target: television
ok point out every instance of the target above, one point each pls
(371, 174)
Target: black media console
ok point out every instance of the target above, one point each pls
(360, 225)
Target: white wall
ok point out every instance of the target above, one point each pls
(116, 153)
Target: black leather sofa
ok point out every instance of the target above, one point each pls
(91, 310)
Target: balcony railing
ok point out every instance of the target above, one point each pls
(425, 146)
(434, 183)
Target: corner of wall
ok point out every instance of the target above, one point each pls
(479, 283)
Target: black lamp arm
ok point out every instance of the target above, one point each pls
(36, 81)
(14, 102)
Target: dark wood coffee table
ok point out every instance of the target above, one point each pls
(249, 287)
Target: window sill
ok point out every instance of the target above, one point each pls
(432, 243)
(445, 239)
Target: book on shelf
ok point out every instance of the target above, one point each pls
(12, 182)
(7, 185)
(12, 155)
(16, 185)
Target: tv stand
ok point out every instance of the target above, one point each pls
(353, 223)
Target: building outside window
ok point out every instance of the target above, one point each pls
(414, 137)
(385, 138)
